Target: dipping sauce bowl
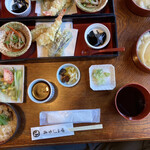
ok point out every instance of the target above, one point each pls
(141, 52)
(41, 91)
(132, 101)
(137, 9)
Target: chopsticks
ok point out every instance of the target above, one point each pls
(91, 127)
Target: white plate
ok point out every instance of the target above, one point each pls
(6, 99)
(110, 82)
(59, 76)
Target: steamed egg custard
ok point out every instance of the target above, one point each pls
(143, 3)
(143, 49)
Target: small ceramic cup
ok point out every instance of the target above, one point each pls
(132, 101)
(8, 5)
(136, 9)
(101, 27)
(51, 88)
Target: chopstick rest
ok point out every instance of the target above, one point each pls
(60, 130)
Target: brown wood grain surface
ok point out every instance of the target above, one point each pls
(116, 128)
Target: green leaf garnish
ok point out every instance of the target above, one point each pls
(7, 42)
(4, 119)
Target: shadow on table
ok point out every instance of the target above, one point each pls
(132, 145)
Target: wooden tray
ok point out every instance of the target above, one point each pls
(4, 14)
(78, 23)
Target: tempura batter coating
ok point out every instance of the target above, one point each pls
(39, 29)
(56, 6)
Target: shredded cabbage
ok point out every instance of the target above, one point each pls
(98, 76)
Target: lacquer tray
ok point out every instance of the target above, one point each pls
(81, 24)
(108, 9)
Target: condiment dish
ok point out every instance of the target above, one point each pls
(70, 77)
(102, 77)
(97, 29)
(42, 90)
(9, 3)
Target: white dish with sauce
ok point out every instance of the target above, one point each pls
(74, 75)
(100, 28)
(41, 91)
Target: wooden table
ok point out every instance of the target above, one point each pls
(116, 128)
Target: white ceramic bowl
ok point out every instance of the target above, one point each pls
(98, 26)
(51, 95)
(59, 76)
(8, 5)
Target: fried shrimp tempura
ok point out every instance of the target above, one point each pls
(49, 35)
(56, 6)
(39, 29)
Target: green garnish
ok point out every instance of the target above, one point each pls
(15, 39)
(21, 42)
(7, 42)
(84, 4)
(106, 74)
(99, 76)
(4, 119)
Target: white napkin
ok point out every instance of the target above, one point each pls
(72, 10)
(70, 116)
(70, 47)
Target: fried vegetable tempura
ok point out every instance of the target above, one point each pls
(56, 48)
(55, 7)
(51, 37)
